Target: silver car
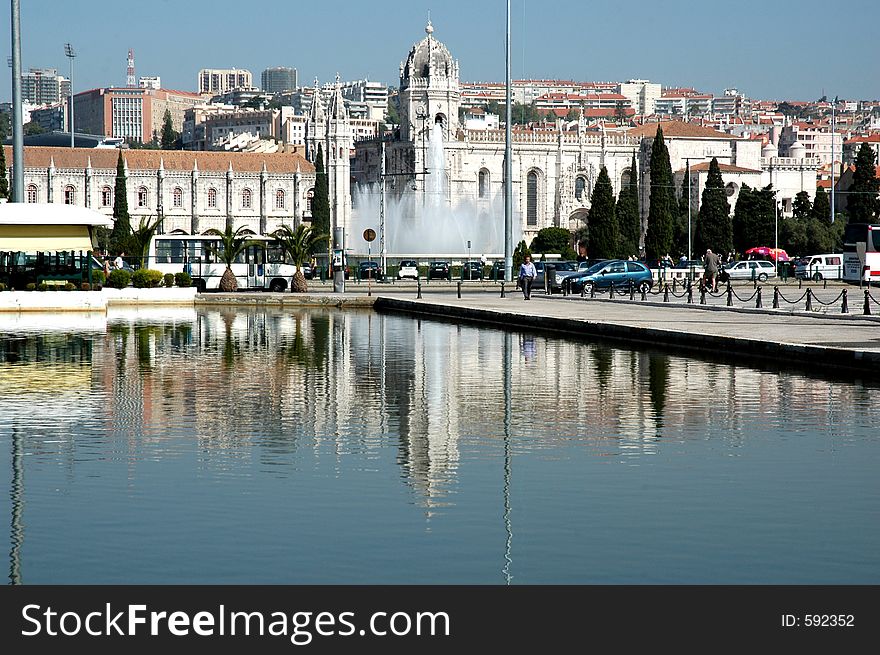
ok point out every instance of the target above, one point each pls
(751, 270)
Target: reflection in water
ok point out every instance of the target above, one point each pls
(335, 446)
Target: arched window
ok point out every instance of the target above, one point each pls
(69, 195)
(580, 184)
(142, 197)
(212, 198)
(532, 198)
(106, 196)
(32, 193)
(310, 195)
(246, 198)
(626, 178)
(279, 199)
(484, 183)
(177, 197)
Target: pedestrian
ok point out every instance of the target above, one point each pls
(527, 275)
(712, 266)
(118, 263)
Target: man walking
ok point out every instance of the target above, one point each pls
(713, 265)
(527, 275)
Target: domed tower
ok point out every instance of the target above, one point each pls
(429, 90)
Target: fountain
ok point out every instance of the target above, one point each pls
(426, 222)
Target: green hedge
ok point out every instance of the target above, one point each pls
(183, 279)
(98, 277)
(145, 278)
(118, 279)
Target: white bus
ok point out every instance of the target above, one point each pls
(861, 253)
(261, 265)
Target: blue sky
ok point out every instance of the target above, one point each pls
(768, 49)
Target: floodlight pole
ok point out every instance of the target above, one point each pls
(17, 130)
(70, 54)
(508, 166)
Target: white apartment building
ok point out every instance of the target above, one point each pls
(215, 81)
(476, 118)
(372, 94)
(683, 102)
(44, 86)
(815, 137)
(150, 82)
(642, 95)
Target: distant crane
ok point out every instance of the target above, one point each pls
(130, 81)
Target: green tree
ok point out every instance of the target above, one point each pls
(680, 238)
(231, 245)
(714, 229)
(802, 208)
(169, 135)
(33, 128)
(754, 218)
(629, 221)
(4, 182)
(121, 233)
(392, 114)
(139, 241)
(553, 240)
(321, 199)
(5, 126)
(297, 245)
(862, 204)
(620, 115)
(604, 238)
(822, 206)
(662, 205)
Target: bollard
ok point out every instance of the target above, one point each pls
(632, 291)
(825, 283)
(775, 297)
(674, 286)
(593, 291)
(564, 288)
(809, 306)
(844, 306)
(702, 295)
(611, 291)
(459, 290)
(754, 283)
(502, 288)
(666, 293)
(867, 310)
(419, 288)
(800, 283)
(644, 292)
(584, 291)
(690, 293)
(758, 303)
(729, 295)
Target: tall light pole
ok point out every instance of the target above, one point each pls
(508, 165)
(832, 158)
(382, 251)
(70, 54)
(17, 131)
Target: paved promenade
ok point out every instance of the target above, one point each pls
(815, 339)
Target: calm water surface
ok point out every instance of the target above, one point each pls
(186, 446)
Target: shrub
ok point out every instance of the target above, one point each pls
(144, 278)
(169, 280)
(85, 286)
(70, 286)
(30, 286)
(119, 279)
(2, 287)
(97, 287)
(98, 278)
(183, 279)
(42, 286)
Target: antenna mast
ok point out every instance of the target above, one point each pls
(130, 81)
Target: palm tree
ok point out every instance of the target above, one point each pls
(141, 237)
(231, 245)
(297, 245)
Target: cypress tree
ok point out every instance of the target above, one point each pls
(862, 204)
(802, 208)
(4, 182)
(658, 238)
(629, 222)
(169, 135)
(822, 207)
(321, 200)
(121, 233)
(680, 228)
(742, 214)
(603, 238)
(714, 229)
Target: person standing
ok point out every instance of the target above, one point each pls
(527, 275)
(713, 265)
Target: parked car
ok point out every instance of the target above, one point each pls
(439, 271)
(758, 270)
(561, 270)
(307, 271)
(472, 271)
(497, 272)
(583, 266)
(370, 269)
(615, 271)
(820, 267)
(409, 269)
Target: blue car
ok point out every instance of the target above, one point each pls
(615, 271)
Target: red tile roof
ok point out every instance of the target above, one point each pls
(679, 129)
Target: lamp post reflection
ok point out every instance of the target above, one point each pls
(508, 394)
(16, 497)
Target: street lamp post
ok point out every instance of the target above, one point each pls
(70, 54)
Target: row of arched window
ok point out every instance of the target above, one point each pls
(143, 197)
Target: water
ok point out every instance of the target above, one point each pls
(184, 446)
(427, 222)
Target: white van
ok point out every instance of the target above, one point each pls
(820, 267)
